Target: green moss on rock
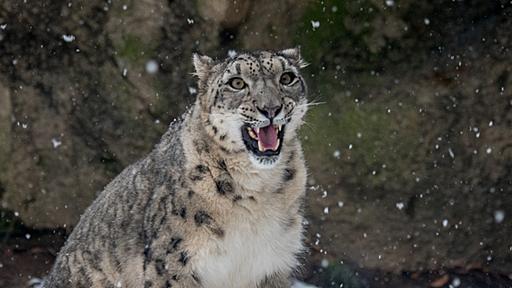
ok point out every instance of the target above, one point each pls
(329, 15)
(325, 27)
(133, 49)
(362, 141)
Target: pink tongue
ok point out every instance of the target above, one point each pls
(268, 137)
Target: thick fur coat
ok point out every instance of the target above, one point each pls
(218, 202)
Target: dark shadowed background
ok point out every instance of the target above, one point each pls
(409, 150)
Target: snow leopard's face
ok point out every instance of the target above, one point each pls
(254, 101)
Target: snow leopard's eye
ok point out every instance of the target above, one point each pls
(287, 78)
(237, 83)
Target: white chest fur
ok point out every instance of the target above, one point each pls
(252, 248)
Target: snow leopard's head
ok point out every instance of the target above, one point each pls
(253, 102)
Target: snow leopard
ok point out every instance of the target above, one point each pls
(219, 200)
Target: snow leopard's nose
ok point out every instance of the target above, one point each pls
(270, 111)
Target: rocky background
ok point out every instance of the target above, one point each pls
(409, 148)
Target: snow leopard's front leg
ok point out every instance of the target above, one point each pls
(276, 281)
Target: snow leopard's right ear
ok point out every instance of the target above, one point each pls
(203, 65)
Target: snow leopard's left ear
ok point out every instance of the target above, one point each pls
(203, 66)
(293, 55)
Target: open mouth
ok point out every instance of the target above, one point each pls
(263, 141)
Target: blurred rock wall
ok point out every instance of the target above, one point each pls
(413, 148)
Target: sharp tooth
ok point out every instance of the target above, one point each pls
(279, 127)
(260, 147)
(277, 145)
(257, 130)
(251, 133)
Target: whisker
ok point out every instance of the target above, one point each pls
(309, 104)
(306, 124)
(315, 100)
(315, 103)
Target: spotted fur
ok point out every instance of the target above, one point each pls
(199, 210)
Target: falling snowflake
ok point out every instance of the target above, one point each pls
(324, 263)
(315, 24)
(68, 38)
(192, 90)
(151, 67)
(499, 216)
(456, 282)
(56, 143)
(232, 53)
(450, 151)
